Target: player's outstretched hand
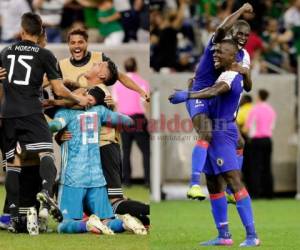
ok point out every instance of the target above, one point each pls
(2, 73)
(179, 96)
(247, 7)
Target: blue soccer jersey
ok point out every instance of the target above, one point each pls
(206, 76)
(221, 155)
(81, 163)
(224, 107)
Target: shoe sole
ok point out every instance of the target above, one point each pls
(54, 210)
(199, 198)
(135, 226)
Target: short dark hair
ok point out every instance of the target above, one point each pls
(32, 24)
(113, 73)
(240, 23)
(263, 94)
(245, 99)
(231, 42)
(98, 94)
(130, 64)
(80, 32)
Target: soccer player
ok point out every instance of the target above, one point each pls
(221, 165)
(205, 76)
(23, 119)
(82, 184)
(74, 69)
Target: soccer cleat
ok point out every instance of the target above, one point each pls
(195, 192)
(14, 226)
(32, 222)
(218, 242)
(230, 198)
(95, 225)
(4, 221)
(45, 200)
(132, 224)
(250, 242)
(43, 218)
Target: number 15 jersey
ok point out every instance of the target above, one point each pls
(25, 63)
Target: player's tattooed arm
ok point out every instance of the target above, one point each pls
(228, 22)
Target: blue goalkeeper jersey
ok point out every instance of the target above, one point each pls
(81, 163)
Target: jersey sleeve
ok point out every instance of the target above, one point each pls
(246, 60)
(228, 77)
(51, 65)
(61, 120)
(109, 117)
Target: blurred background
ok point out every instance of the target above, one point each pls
(179, 32)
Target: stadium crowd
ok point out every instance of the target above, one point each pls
(111, 21)
(181, 29)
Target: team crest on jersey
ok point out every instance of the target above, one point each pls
(220, 162)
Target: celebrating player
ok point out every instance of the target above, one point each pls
(205, 76)
(221, 165)
(74, 69)
(82, 184)
(23, 119)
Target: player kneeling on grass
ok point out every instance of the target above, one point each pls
(82, 184)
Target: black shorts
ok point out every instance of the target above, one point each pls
(32, 132)
(112, 169)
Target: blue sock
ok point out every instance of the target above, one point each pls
(72, 226)
(116, 225)
(198, 160)
(240, 157)
(219, 210)
(243, 205)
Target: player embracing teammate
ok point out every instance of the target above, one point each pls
(214, 100)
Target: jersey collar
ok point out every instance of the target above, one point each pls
(81, 62)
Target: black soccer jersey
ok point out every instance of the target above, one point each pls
(25, 63)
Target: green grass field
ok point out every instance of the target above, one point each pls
(54, 241)
(180, 225)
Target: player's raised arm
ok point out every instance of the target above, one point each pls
(129, 83)
(228, 22)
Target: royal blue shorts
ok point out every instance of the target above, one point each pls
(197, 106)
(221, 154)
(72, 201)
